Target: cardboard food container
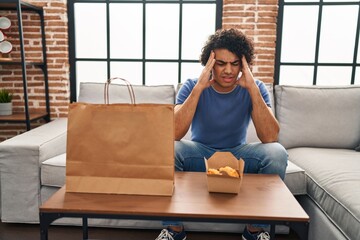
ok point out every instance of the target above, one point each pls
(224, 183)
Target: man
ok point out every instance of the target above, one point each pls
(218, 106)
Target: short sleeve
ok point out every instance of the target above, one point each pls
(185, 91)
(264, 93)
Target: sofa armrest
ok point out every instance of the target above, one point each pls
(20, 160)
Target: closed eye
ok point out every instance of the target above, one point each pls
(236, 63)
(222, 63)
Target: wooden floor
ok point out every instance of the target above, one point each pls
(13, 231)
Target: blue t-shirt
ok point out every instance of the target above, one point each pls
(221, 119)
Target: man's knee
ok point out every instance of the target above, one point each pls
(278, 152)
(278, 157)
(179, 159)
(188, 157)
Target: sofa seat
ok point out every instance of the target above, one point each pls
(53, 173)
(333, 182)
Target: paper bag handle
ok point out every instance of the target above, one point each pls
(127, 83)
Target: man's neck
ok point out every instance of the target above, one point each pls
(223, 90)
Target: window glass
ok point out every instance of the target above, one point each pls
(158, 73)
(337, 38)
(162, 31)
(87, 71)
(358, 52)
(126, 30)
(190, 71)
(90, 34)
(299, 33)
(301, 0)
(131, 71)
(341, 0)
(139, 40)
(198, 23)
(296, 75)
(299, 38)
(333, 75)
(357, 75)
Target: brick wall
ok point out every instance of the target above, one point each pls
(57, 60)
(257, 18)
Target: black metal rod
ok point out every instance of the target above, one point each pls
(46, 218)
(23, 65)
(72, 59)
(356, 48)
(279, 30)
(44, 66)
(317, 44)
(85, 228)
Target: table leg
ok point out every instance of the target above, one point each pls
(85, 228)
(301, 229)
(272, 231)
(45, 220)
(43, 232)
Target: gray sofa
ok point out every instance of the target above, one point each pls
(320, 127)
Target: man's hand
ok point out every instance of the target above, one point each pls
(206, 79)
(247, 79)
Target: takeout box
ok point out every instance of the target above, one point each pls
(224, 183)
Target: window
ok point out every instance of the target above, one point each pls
(317, 42)
(144, 41)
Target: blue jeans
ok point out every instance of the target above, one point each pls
(269, 158)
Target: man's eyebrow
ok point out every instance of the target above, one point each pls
(221, 61)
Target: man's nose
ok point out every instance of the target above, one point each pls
(228, 68)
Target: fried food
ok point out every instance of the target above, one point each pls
(224, 170)
(229, 171)
(214, 171)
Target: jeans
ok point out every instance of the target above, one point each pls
(269, 158)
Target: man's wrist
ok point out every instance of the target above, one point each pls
(252, 87)
(198, 89)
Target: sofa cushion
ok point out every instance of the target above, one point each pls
(295, 179)
(94, 93)
(357, 148)
(333, 182)
(53, 171)
(316, 116)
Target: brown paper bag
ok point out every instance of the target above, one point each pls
(120, 148)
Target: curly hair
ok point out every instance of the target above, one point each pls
(231, 39)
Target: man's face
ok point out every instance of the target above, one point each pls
(226, 70)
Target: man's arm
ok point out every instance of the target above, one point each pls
(184, 113)
(266, 125)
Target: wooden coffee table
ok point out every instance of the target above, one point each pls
(262, 199)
